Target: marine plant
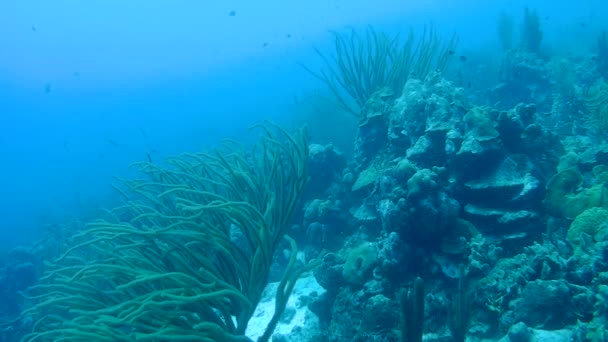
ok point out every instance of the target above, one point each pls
(602, 54)
(187, 256)
(461, 307)
(597, 327)
(412, 312)
(504, 30)
(364, 64)
(596, 103)
(531, 32)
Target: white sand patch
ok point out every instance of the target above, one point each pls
(297, 319)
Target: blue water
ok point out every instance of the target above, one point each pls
(86, 87)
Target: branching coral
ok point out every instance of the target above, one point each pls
(186, 257)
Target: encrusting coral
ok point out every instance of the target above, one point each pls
(186, 257)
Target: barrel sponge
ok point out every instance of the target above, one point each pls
(359, 263)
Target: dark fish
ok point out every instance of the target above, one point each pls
(463, 58)
(112, 142)
(47, 88)
(76, 73)
(232, 13)
(143, 133)
(149, 157)
(33, 28)
(265, 44)
(469, 84)
(288, 35)
(451, 52)
(101, 156)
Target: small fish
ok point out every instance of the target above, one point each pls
(265, 44)
(143, 133)
(47, 88)
(463, 58)
(232, 13)
(288, 35)
(33, 28)
(76, 74)
(469, 84)
(451, 52)
(149, 157)
(112, 142)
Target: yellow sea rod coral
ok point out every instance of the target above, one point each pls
(187, 256)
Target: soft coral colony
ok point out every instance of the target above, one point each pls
(186, 257)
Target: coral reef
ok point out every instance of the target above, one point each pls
(449, 183)
(462, 214)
